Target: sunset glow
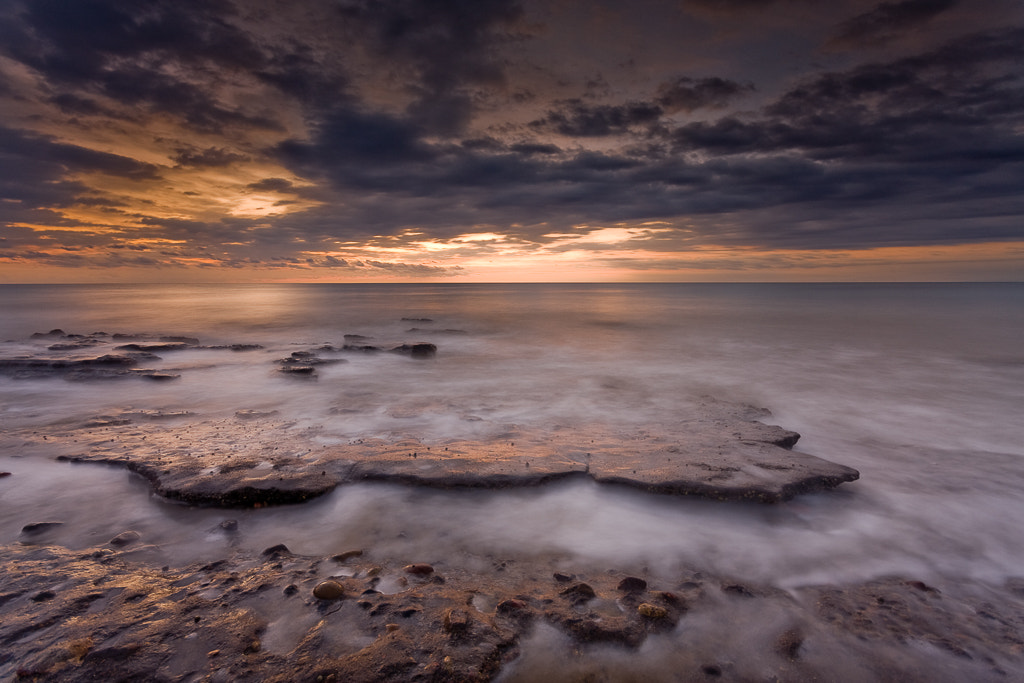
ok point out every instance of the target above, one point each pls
(164, 142)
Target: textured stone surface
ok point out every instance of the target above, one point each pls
(718, 451)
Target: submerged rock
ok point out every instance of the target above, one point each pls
(418, 350)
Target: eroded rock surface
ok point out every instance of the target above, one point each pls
(103, 614)
(718, 451)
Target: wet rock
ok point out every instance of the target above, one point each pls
(417, 320)
(362, 348)
(4, 474)
(347, 555)
(254, 414)
(418, 569)
(298, 369)
(40, 527)
(328, 590)
(275, 550)
(632, 584)
(162, 346)
(125, 538)
(229, 525)
(579, 593)
(650, 611)
(419, 350)
(48, 335)
(563, 578)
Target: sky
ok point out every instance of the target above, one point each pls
(511, 140)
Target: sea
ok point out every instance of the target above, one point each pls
(919, 386)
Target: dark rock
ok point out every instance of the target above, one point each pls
(4, 474)
(125, 538)
(578, 593)
(163, 346)
(632, 584)
(563, 578)
(347, 555)
(229, 525)
(275, 550)
(48, 335)
(418, 350)
(418, 569)
(39, 527)
(291, 589)
(361, 348)
(417, 320)
(298, 369)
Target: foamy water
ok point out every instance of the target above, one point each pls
(920, 387)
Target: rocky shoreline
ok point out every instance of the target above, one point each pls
(123, 611)
(108, 614)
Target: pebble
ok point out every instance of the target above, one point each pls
(418, 569)
(347, 555)
(125, 538)
(652, 611)
(328, 590)
(632, 583)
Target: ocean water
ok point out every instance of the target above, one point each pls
(918, 386)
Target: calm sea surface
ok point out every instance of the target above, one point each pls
(919, 386)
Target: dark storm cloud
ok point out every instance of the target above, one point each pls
(690, 94)
(439, 48)
(887, 21)
(575, 118)
(432, 117)
(34, 172)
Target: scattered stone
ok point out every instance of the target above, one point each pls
(347, 555)
(328, 590)
(275, 550)
(164, 346)
(39, 527)
(415, 320)
(229, 525)
(125, 538)
(419, 350)
(578, 593)
(563, 578)
(650, 611)
(418, 569)
(298, 369)
(632, 584)
(291, 589)
(362, 348)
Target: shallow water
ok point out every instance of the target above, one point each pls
(920, 387)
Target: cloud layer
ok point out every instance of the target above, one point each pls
(367, 139)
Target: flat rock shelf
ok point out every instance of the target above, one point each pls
(718, 450)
